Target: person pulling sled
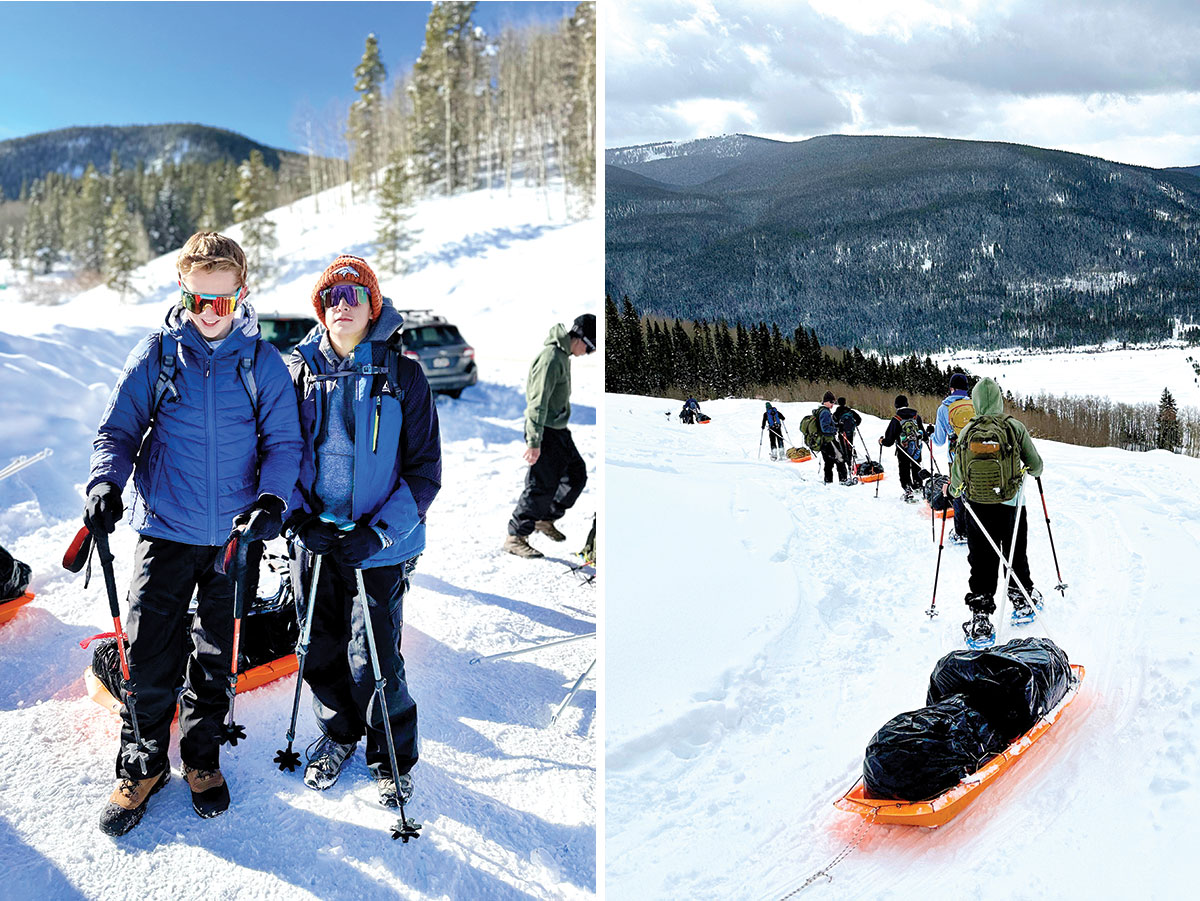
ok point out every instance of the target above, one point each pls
(907, 432)
(993, 453)
(772, 421)
(953, 413)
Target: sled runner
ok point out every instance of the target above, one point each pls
(949, 804)
(9, 608)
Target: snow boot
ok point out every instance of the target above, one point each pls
(519, 545)
(850, 480)
(979, 631)
(908, 496)
(326, 762)
(210, 794)
(127, 803)
(387, 789)
(1021, 611)
(955, 538)
(547, 528)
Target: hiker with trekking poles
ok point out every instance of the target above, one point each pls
(994, 451)
(204, 417)
(847, 421)
(954, 412)
(371, 466)
(772, 422)
(907, 432)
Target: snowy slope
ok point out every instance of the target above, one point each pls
(508, 800)
(761, 626)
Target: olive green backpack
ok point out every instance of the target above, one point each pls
(990, 452)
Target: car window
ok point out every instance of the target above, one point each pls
(431, 336)
(285, 333)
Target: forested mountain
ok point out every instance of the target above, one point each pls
(905, 244)
(69, 151)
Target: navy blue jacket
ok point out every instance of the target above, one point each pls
(397, 444)
(209, 455)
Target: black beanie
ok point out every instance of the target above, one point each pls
(841, 401)
(958, 381)
(828, 398)
(901, 401)
(584, 328)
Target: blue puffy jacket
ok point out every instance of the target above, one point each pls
(397, 444)
(209, 456)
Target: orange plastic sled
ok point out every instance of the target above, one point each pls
(805, 456)
(946, 806)
(875, 478)
(9, 608)
(253, 678)
(937, 514)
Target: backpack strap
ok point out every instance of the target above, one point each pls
(246, 374)
(168, 349)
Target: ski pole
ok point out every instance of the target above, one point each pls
(991, 541)
(137, 754)
(571, 693)
(289, 759)
(1061, 587)
(1005, 567)
(232, 561)
(405, 829)
(536, 647)
(760, 438)
(932, 611)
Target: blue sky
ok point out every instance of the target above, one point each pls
(247, 67)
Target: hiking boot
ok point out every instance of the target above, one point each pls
(850, 480)
(519, 545)
(325, 762)
(955, 538)
(1020, 606)
(908, 496)
(387, 789)
(979, 631)
(127, 803)
(210, 794)
(546, 527)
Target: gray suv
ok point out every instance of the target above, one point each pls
(448, 360)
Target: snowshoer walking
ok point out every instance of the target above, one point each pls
(371, 466)
(557, 474)
(772, 421)
(831, 450)
(993, 453)
(204, 418)
(847, 421)
(953, 413)
(907, 432)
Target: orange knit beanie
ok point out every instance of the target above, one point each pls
(348, 268)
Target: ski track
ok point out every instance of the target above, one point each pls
(1102, 807)
(507, 800)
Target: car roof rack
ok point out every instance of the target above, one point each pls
(423, 316)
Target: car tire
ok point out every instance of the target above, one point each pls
(453, 392)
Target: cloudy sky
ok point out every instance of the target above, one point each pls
(1120, 80)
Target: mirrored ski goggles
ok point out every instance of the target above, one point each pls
(222, 304)
(353, 295)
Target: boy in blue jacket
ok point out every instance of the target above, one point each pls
(204, 418)
(945, 430)
(372, 457)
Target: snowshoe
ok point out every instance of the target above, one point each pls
(955, 538)
(1022, 613)
(850, 480)
(979, 632)
(909, 497)
(326, 762)
(387, 789)
(210, 793)
(127, 804)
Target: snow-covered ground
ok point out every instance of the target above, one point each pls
(507, 799)
(1135, 375)
(761, 626)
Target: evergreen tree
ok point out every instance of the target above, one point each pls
(87, 223)
(1169, 435)
(395, 237)
(255, 195)
(636, 347)
(438, 90)
(120, 249)
(365, 128)
(616, 350)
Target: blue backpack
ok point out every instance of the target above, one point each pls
(911, 437)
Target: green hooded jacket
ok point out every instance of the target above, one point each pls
(548, 390)
(988, 402)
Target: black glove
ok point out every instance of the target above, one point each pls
(359, 544)
(928, 431)
(317, 535)
(263, 521)
(103, 509)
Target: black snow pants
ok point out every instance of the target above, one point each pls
(165, 574)
(552, 485)
(337, 667)
(832, 454)
(998, 519)
(962, 519)
(909, 471)
(776, 437)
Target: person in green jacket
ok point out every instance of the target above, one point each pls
(557, 473)
(994, 451)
